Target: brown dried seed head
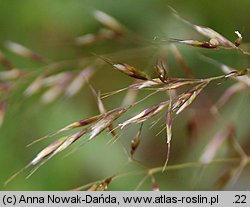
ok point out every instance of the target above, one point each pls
(81, 123)
(146, 84)
(239, 39)
(60, 146)
(169, 133)
(127, 69)
(48, 150)
(70, 140)
(214, 42)
(161, 69)
(169, 121)
(105, 121)
(238, 73)
(191, 95)
(135, 142)
(104, 185)
(178, 83)
(210, 33)
(146, 114)
(131, 71)
(196, 43)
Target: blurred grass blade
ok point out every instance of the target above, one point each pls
(103, 34)
(187, 70)
(214, 145)
(79, 81)
(192, 130)
(7, 64)
(10, 75)
(57, 86)
(231, 91)
(24, 51)
(52, 94)
(130, 96)
(3, 108)
(35, 86)
(108, 21)
(229, 177)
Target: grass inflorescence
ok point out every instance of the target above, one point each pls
(180, 93)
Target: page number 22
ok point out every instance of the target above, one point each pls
(240, 199)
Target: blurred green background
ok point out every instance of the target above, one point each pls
(50, 27)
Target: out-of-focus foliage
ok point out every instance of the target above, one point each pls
(51, 27)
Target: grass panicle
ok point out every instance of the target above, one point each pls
(53, 81)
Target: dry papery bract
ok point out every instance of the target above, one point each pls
(180, 93)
